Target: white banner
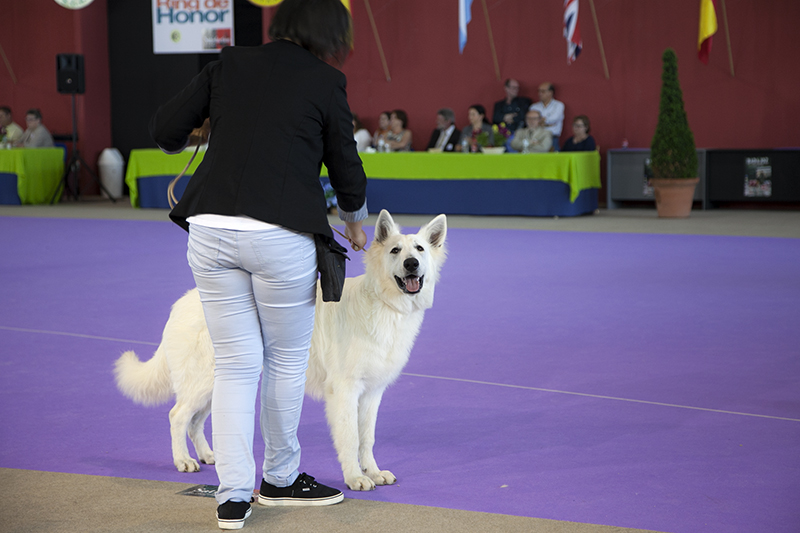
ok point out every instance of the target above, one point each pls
(192, 26)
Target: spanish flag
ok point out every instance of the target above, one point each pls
(708, 27)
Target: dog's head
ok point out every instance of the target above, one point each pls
(406, 267)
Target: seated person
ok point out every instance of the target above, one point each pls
(511, 110)
(445, 137)
(9, 129)
(383, 129)
(399, 137)
(361, 135)
(36, 135)
(477, 125)
(533, 138)
(580, 141)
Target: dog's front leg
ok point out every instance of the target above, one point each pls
(341, 408)
(367, 418)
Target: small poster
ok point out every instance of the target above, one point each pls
(758, 177)
(192, 26)
(647, 189)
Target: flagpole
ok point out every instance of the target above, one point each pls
(600, 39)
(491, 40)
(378, 41)
(8, 65)
(728, 37)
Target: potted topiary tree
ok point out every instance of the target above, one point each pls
(673, 157)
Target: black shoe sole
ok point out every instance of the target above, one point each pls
(299, 502)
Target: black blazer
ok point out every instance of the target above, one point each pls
(277, 113)
(449, 143)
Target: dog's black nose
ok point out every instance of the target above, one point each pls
(411, 264)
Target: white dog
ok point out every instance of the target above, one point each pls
(359, 347)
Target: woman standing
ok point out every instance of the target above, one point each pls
(477, 125)
(252, 208)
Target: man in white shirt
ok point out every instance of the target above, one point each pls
(552, 111)
(445, 136)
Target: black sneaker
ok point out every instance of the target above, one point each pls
(231, 514)
(304, 491)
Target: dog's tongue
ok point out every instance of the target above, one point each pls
(412, 284)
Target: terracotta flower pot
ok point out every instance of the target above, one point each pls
(674, 197)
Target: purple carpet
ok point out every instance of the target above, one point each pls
(647, 381)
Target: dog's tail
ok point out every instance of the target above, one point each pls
(146, 383)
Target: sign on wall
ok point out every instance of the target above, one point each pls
(192, 26)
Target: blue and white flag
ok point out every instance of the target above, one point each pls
(464, 16)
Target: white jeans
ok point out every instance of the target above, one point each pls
(258, 290)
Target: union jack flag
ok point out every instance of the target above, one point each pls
(572, 30)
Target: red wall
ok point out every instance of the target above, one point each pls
(32, 33)
(420, 37)
(758, 107)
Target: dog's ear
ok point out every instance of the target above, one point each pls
(385, 226)
(435, 231)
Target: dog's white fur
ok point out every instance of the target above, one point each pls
(359, 347)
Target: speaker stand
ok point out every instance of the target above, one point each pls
(73, 168)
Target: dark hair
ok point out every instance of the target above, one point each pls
(6, 109)
(323, 27)
(358, 125)
(447, 113)
(35, 112)
(585, 120)
(480, 109)
(399, 113)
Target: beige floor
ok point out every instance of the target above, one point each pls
(67, 503)
(50, 502)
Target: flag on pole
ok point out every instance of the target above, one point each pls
(464, 16)
(708, 27)
(572, 30)
(347, 4)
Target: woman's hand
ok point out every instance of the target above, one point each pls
(200, 135)
(355, 234)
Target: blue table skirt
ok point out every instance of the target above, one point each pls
(153, 190)
(541, 198)
(8, 189)
(544, 198)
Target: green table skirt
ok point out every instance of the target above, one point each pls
(579, 170)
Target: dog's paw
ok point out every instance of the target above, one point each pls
(360, 483)
(187, 465)
(384, 477)
(207, 458)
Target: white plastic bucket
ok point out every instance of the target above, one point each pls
(112, 171)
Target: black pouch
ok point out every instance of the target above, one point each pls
(330, 262)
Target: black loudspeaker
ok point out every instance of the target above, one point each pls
(69, 73)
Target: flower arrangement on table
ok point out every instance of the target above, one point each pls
(499, 136)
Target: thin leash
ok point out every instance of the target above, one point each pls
(348, 240)
(173, 200)
(171, 187)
